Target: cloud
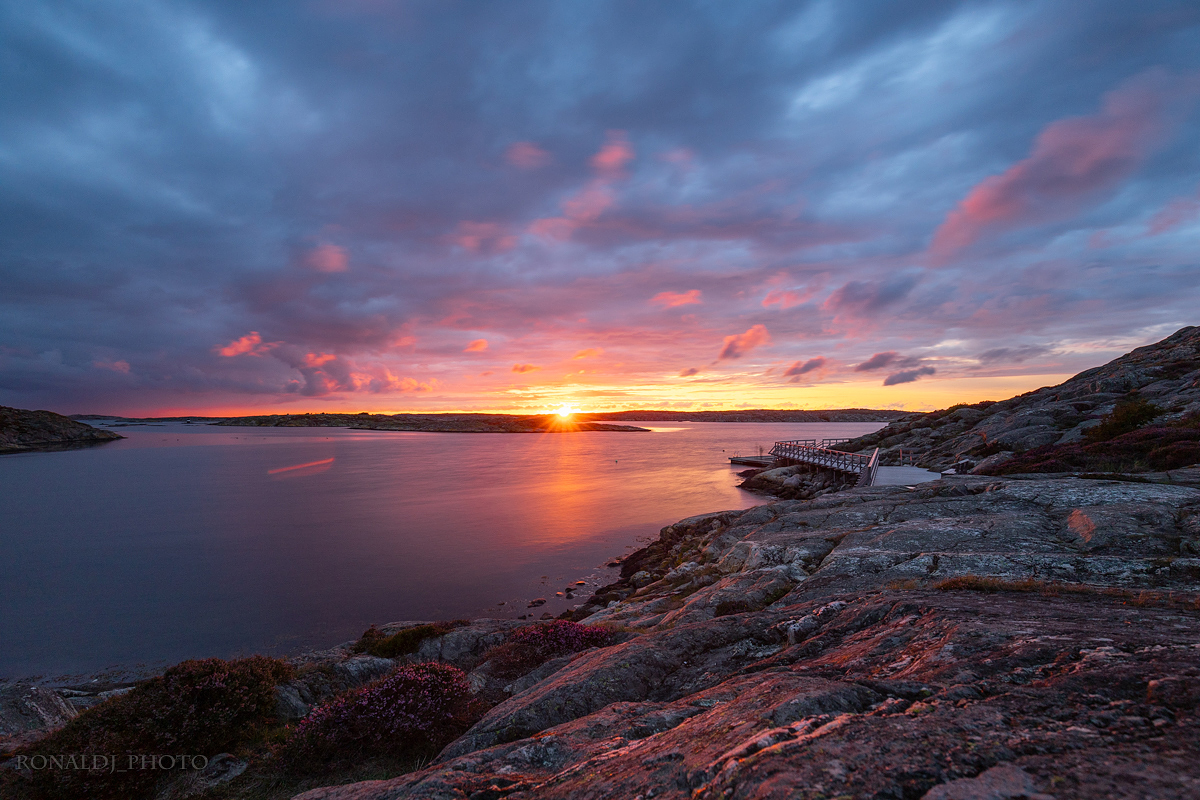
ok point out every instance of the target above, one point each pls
(523, 368)
(907, 376)
(249, 345)
(1174, 214)
(1012, 355)
(689, 372)
(328, 258)
(797, 369)
(483, 237)
(786, 298)
(673, 299)
(738, 345)
(318, 359)
(614, 155)
(877, 361)
(1074, 161)
(868, 298)
(115, 366)
(476, 346)
(526, 155)
(591, 352)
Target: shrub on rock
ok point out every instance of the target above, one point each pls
(199, 707)
(412, 712)
(404, 642)
(529, 647)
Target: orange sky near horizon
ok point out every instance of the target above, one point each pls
(927, 395)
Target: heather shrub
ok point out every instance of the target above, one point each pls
(530, 647)
(405, 642)
(1154, 447)
(1129, 415)
(200, 707)
(412, 712)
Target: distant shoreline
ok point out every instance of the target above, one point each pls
(482, 422)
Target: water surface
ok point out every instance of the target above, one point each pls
(190, 540)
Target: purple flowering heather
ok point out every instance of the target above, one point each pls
(415, 709)
(527, 648)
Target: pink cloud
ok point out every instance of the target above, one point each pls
(523, 368)
(115, 366)
(318, 359)
(614, 155)
(249, 345)
(689, 372)
(583, 208)
(586, 205)
(1173, 214)
(591, 352)
(786, 298)
(1074, 161)
(738, 345)
(477, 346)
(328, 258)
(798, 368)
(673, 299)
(526, 155)
(478, 236)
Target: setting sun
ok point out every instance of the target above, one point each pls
(565, 411)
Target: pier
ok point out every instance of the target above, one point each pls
(820, 453)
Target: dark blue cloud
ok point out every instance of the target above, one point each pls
(338, 177)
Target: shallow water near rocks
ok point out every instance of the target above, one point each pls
(189, 540)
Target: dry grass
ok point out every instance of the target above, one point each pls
(1135, 597)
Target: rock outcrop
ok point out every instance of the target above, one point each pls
(22, 430)
(973, 637)
(1166, 373)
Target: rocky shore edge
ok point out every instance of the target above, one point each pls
(24, 431)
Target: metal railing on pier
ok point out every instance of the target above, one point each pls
(809, 451)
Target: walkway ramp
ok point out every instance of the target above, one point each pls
(903, 476)
(867, 468)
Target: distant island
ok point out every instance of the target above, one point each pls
(432, 423)
(517, 423)
(755, 415)
(22, 430)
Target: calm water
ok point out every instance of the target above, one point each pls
(191, 540)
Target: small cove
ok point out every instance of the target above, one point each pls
(191, 540)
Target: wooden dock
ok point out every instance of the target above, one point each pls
(821, 454)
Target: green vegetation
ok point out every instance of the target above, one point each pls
(1116, 448)
(202, 707)
(377, 643)
(1129, 415)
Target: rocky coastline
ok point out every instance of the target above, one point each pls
(1029, 636)
(881, 642)
(23, 431)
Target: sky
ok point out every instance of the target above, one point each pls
(502, 205)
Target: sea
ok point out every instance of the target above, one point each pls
(191, 540)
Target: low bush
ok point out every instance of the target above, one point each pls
(409, 714)
(405, 642)
(1129, 415)
(527, 648)
(1158, 447)
(201, 707)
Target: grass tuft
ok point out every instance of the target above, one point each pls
(375, 642)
